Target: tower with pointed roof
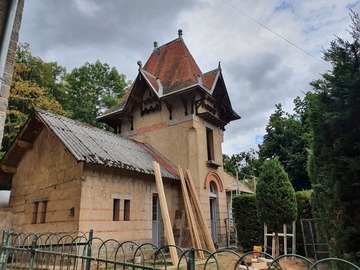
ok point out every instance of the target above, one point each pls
(181, 112)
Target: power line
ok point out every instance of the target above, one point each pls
(270, 30)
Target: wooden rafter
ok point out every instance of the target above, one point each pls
(8, 169)
(24, 144)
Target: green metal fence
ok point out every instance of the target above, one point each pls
(72, 251)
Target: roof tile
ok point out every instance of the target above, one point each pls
(174, 65)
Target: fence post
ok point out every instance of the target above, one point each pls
(88, 254)
(33, 252)
(4, 249)
(191, 261)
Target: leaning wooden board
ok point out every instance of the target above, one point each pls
(165, 214)
(195, 238)
(193, 194)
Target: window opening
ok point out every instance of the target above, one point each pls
(116, 210)
(43, 211)
(210, 144)
(35, 212)
(126, 209)
(212, 190)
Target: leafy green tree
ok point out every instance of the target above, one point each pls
(247, 163)
(275, 198)
(47, 75)
(334, 162)
(31, 87)
(91, 89)
(287, 137)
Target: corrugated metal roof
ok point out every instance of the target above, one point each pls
(93, 145)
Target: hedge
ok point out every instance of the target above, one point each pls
(249, 229)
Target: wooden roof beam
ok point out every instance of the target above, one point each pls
(8, 169)
(24, 144)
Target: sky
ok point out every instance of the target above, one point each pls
(269, 49)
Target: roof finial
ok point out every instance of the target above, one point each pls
(139, 64)
(180, 33)
(219, 65)
(155, 44)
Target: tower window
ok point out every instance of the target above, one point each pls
(210, 144)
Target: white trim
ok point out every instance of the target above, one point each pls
(121, 196)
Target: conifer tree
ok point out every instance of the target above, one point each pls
(275, 198)
(334, 163)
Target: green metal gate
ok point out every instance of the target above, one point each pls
(73, 251)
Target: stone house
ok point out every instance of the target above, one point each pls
(69, 176)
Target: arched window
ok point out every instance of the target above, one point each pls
(212, 190)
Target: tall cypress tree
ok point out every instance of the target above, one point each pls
(334, 163)
(275, 198)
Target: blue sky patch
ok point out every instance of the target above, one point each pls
(283, 6)
(352, 5)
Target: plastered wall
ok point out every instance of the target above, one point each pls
(182, 140)
(102, 185)
(48, 172)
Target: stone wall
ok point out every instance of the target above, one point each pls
(9, 65)
(5, 219)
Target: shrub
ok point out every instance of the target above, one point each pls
(249, 229)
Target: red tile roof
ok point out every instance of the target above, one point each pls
(174, 65)
(208, 78)
(169, 69)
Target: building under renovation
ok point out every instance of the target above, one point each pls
(68, 176)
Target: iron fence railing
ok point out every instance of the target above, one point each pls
(78, 251)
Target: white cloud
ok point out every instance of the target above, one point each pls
(260, 68)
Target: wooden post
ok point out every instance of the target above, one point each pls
(285, 238)
(195, 238)
(201, 218)
(165, 214)
(293, 247)
(265, 238)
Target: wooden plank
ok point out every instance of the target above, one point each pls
(165, 214)
(201, 218)
(190, 217)
(195, 238)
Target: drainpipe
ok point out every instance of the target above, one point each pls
(4, 48)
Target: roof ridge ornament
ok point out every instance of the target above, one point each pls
(155, 45)
(180, 33)
(219, 65)
(139, 64)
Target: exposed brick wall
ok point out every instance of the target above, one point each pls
(9, 66)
